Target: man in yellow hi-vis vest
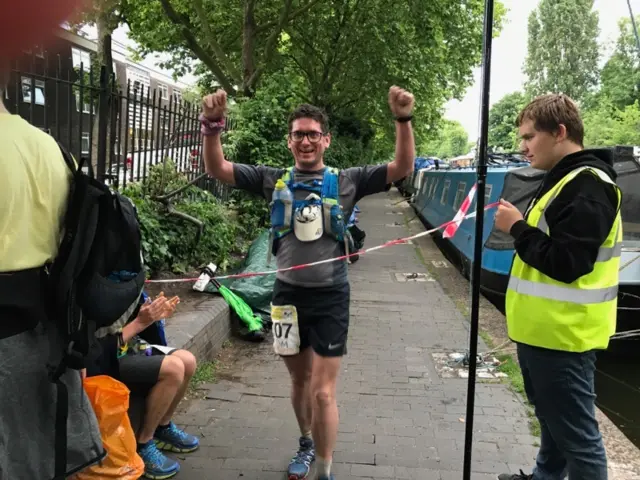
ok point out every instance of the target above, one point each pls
(562, 293)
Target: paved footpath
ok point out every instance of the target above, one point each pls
(398, 417)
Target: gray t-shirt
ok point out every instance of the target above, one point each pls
(354, 183)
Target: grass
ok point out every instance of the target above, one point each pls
(205, 373)
(509, 367)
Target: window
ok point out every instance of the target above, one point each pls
(433, 187)
(26, 91)
(425, 185)
(140, 82)
(445, 191)
(86, 146)
(177, 94)
(81, 57)
(86, 106)
(487, 194)
(457, 203)
(165, 121)
(137, 88)
(164, 91)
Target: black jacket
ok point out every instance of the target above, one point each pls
(579, 218)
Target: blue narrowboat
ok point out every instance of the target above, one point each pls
(439, 193)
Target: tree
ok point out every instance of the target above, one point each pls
(502, 117)
(353, 51)
(562, 52)
(347, 52)
(236, 40)
(607, 125)
(620, 77)
(452, 140)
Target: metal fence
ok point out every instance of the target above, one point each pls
(120, 129)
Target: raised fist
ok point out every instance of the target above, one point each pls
(400, 101)
(214, 106)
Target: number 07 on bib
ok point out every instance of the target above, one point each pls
(286, 332)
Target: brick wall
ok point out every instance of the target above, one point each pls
(202, 331)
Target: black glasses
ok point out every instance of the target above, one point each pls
(313, 136)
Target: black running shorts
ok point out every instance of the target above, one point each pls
(140, 372)
(323, 315)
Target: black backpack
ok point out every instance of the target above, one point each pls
(101, 241)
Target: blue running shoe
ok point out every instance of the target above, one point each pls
(172, 439)
(156, 465)
(302, 460)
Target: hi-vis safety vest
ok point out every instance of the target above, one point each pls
(574, 317)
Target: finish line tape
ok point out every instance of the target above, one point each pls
(398, 241)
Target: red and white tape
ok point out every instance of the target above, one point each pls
(398, 241)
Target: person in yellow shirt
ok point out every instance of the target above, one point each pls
(561, 298)
(34, 186)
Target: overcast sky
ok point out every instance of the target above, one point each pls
(509, 51)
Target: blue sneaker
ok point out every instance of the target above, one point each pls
(156, 465)
(301, 462)
(172, 439)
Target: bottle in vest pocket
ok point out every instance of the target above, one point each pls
(281, 212)
(282, 206)
(204, 278)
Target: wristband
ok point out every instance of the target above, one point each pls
(408, 118)
(210, 127)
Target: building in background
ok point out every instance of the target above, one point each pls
(58, 91)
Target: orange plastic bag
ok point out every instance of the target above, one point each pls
(110, 400)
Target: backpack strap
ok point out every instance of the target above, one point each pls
(330, 184)
(330, 195)
(287, 176)
(70, 160)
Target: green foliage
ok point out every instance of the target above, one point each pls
(342, 55)
(503, 133)
(620, 77)
(452, 140)
(350, 53)
(168, 241)
(608, 125)
(562, 48)
(259, 134)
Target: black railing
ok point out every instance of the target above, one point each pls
(119, 128)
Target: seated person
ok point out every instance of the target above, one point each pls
(159, 373)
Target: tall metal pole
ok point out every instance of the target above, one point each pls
(477, 250)
(633, 24)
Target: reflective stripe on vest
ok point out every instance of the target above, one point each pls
(563, 294)
(579, 316)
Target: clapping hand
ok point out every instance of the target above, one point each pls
(152, 311)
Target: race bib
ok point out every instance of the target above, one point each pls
(286, 333)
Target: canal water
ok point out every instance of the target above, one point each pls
(618, 391)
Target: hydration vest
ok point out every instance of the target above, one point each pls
(575, 317)
(323, 194)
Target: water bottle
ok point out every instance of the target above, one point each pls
(205, 277)
(282, 205)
